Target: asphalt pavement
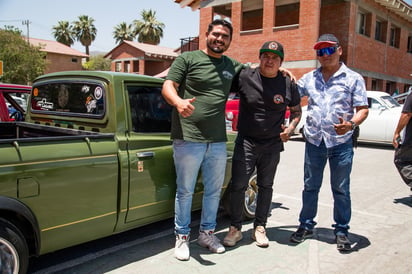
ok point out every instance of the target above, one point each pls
(380, 230)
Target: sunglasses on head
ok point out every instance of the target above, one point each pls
(328, 51)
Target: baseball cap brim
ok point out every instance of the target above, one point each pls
(273, 51)
(324, 44)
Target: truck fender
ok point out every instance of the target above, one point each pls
(23, 218)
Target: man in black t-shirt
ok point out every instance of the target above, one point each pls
(404, 121)
(264, 95)
(403, 155)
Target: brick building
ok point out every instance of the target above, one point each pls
(141, 58)
(59, 57)
(376, 35)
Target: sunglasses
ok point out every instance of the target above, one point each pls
(328, 51)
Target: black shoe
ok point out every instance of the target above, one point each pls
(300, 235)
(343, 243)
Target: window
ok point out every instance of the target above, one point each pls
(118, 67)
(252, 15)
(223, 12)
(126, 66)
(69, 99)
(361, 23)
(381, 27)
(287, 12)
(409, 46)
(395, 35)
(149, 111)
(74, 60)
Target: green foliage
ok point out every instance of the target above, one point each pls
(98, 63)
(22, 63)
(85, 31)
(122, 32)
(63, 32)
(13, 29)
(148, 30)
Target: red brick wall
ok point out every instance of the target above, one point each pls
(377, 59)
(59, 62)
(142, 66)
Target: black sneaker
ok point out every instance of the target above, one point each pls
(300, 235)
(343, 243)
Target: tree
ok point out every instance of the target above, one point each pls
(122, 32)
(63, 33)
(98, 62)
(149, 30)
(85, 31)
(22, 63)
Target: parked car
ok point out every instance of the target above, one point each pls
(400, 98)
(13, 102)
(384, 113)
(232, 112)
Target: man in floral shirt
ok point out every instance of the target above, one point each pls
(334, 92)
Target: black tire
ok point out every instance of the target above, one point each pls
(249, 204)
(14, 253)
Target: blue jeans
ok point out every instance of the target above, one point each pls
(340, 163)
(189, 158)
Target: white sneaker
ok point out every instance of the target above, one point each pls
(182, 251)
(259, 235)
(209, 240)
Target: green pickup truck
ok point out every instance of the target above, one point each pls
(93, 158)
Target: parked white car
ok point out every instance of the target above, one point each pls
(384, 113)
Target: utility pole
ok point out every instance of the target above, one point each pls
(27, 23)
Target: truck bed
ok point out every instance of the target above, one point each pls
(28, 132)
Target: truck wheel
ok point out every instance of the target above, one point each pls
(251, 193)
(249, 204)
(14, 254)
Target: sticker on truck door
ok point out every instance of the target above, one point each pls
(140, 167)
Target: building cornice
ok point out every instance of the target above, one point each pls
(399, 7)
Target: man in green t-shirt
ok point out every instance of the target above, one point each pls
(198, 86)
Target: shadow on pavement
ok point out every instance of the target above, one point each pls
(282, 234)
(406, 201)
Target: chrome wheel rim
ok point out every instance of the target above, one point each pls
(9, 258)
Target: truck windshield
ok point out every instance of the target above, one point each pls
(78, 98)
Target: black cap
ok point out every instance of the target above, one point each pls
(326, 40)
(273, 46)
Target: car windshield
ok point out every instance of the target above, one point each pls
(390, 102)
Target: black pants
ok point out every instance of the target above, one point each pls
(248, 155)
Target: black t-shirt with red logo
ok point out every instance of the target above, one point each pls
(263, 103)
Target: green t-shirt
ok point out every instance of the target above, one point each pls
(207, 79)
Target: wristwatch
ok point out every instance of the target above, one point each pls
(353, 124)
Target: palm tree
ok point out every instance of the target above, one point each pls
(85, 31)
(122, 32)
(63, 33)
(149, 30)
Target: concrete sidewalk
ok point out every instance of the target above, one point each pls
(380, 230)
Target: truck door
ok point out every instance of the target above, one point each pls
(152, 176)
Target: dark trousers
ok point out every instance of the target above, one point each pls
(248, 156)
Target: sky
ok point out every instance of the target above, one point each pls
(44, 14)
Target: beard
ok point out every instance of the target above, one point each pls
(216, 47)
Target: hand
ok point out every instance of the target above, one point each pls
(396, 140)
(286, 72)
(284, 135)
(185, 107)
(342, 127)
